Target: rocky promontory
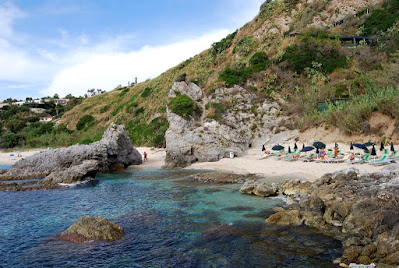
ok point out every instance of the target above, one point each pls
(90, 228)
(225, 124)
(76, 163)
(362, 211)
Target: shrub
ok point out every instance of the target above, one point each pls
(45, 128)
(86, 141)
(105, 108)
(147, 91)
(382, 19)
(139, 111)
(222, 45)
(10, 140)
(235, 76)
(184, 106)
(215, 110)
(245, 45)
(259, 61)
(152, 134)
(85, 121)
(300, 57)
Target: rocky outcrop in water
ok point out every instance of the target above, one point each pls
(79, 162)
(363, 211)
(220, 177)
(90, 228)
(261, 189)
(232, 121)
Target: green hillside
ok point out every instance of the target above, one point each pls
(291, 52)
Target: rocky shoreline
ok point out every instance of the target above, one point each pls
(361, 211)
(56, 168)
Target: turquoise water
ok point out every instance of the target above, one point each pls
(169, 220)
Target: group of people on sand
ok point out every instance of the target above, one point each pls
(333, 155)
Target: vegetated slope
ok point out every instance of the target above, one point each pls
(293, 53)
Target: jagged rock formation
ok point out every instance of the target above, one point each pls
(89, 228)
(79, 162)
(261, 189)
(362, 211)
(220, 177)
(218, 132)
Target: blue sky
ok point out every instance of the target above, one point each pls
(70, 46)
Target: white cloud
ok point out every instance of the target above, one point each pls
(8, 13)
(106, 70)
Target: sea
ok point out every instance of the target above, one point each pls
(169, 219)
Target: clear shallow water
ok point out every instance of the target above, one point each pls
(169, 221)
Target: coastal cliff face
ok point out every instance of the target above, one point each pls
(232, 120)
(79, 162)
(362, 211)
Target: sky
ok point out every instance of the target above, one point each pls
(70, 46)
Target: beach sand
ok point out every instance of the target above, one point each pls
(270, 168)
(11, 157)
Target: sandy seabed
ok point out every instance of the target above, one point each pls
(269, 168)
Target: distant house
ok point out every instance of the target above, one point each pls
(19, 103)
(63, 102)
(2, 104)
(36, 101)
(46, 119)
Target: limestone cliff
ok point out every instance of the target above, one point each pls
(233, 120)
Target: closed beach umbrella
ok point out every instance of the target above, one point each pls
(351, 148)
(392, 148)
(263, 148)
(303, 146)
(382, 147)
(295, 146)
(368, 144)
(317, 150)
(319, 145)
(373, 152)
(307, 149)
(289, 149)
(278, 147)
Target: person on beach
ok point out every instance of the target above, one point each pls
(335, 151)
(145, 157)
(322, 153)
(352, 157)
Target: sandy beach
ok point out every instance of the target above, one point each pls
(250, 163)
(11, 157)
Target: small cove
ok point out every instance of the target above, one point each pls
(169, 220)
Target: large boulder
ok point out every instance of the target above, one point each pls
(90, 228)
(83, 172)
(113, 152)
(261, 189)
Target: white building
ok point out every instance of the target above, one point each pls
(46, 119)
